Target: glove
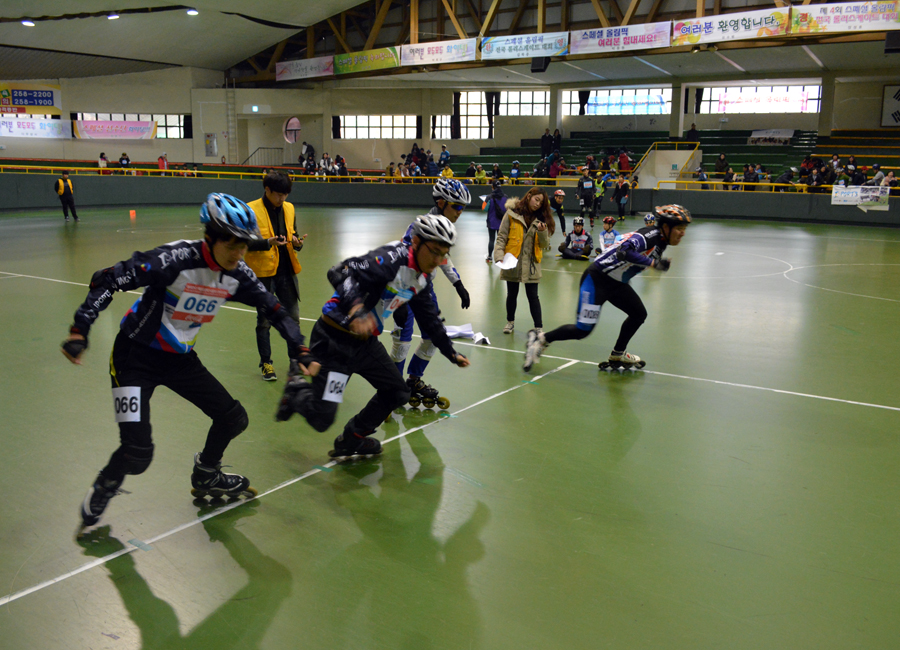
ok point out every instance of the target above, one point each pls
(663, 264)
(336, 274)
(72, 348)
(463, 294)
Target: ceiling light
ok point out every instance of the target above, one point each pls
(113, 16)
(695, 49)
(712, 47)
(192, 12)
(28, 23)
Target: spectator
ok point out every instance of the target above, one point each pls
(389, 172)
(620, 195)
(702, 177)
(787, 178)
(404, 173)
(446, 172)
(878, 177)
(604, 164)
(480, 176)
(552, 157)
(828, 175)
(444, 160)
(816, 179)
(470, 172)
(721, 165)
(859, 176)
(311, 166)
(835, 161)
(624, 161)
(563, 167)
(693, 135)
(851, 160)
(431, 168)
(306, 150)
(125, 161)
(541, 169)
(554, 169)
(591, 163)
(339, 160)
(515, 172)
(729, 178)
(194, 172)
(497, 173)
(546, 143)
(750, 176)
(557, 140)
(102, 162)
(63, 187)
(327, 164)
(889, 180)
(163, 163)
(343, 172)
(496, 208)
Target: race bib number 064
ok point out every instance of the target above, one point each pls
(334, 387)
(127, 403)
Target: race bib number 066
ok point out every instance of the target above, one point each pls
(127, 403)
(199, 304)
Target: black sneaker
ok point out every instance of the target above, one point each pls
(97, 498)
(268, 371)
(348, 445)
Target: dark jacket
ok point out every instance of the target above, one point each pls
(496, 208)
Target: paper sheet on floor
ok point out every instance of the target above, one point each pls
(465, 332)
(509, 261)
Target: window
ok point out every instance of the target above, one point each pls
(472, 116)
(399, 127)
(26, 116)
(167, 126)
(524, 102)
(761, 99)
(441, 127)
(621, 101)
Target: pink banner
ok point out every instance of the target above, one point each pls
(107, 130)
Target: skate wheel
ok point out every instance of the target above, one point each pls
(198, 493)
(443, 403)
(640, 364)
(604, 365)
(250, 492)
(414, 401)
(428, 403)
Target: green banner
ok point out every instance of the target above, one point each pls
(384, 57)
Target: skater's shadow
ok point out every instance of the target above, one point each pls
(415, 553)
(411, 417)
(622, 427)
(243, 619)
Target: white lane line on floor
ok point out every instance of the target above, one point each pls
(549, 356)
(5, 600)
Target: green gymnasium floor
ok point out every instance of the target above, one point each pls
(741, 493)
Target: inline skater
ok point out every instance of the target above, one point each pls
(578, 243)
(185, 284)
(368, 289)
(585, 191)
(450, 198)
(557, 204)
(609, 235)
(606, 279)
(649, 219)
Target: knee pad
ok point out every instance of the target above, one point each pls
(426, 349)
(399, 349)
(136, 459)
(234, 421)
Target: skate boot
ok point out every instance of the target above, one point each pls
(97, 498)
(354, 445)
(623, 361)
(297, 391)
(212, 481)
(422, 393)
(534, 347)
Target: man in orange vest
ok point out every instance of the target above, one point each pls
(274, 260)
(63, 187)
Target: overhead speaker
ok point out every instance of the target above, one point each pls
(891, 43)
(540, 63)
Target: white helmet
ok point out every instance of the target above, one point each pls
(436, 228)
(451, 190)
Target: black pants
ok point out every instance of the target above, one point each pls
(572, 254)
(68, 203)
(534, 303)
(136, 366)
(621, 207)
(492, 236)
(595, 289)
(285, 288)
(343, 354)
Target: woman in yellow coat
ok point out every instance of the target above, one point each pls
(525, 233)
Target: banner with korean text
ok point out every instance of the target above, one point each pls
(521, 47)
(13, 127)
(440, 52)
(846, 17)
(320, 66)
(732, 27)
(30, 99)
(109, 130)
(616, 39)
(379, 59)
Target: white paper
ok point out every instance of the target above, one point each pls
(509, 261)
(481, 339)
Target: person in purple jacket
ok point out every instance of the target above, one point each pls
(496, 208)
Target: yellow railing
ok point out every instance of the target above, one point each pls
(719, 185)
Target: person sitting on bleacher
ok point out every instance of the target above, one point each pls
(728, 178)
(721, 165)
(431, 167)
(515, 172)
(497, 173)
(540, 169)
(750, 176)
(787, 178)
(480, 176)
(835, 161)
(311, 166)
(446, 172)
(470, 172)
(828, 175)
(591, 163)
(879, 176)
(889, 180)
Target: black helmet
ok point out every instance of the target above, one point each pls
(672, 214)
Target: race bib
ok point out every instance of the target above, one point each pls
(199, 304)
(127, 403)
(589, 314)
(334, 387)
(390, 306)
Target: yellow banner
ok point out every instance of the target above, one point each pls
(30, 99)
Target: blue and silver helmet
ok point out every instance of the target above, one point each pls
(229, 216)
(452, 191)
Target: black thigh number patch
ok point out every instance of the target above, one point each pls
(127, 403)
(334, 387)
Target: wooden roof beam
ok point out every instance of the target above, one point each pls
(338, 36)
(489, 19)
(379, 21)
(523, 5)
(453, 19)
(601, 15)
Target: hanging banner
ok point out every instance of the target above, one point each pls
(865, 197)
(792, 99)
(108, 130)
(732, 27)
(771, 136)
(380, 59)
(632, 105)
(12, 127)
(845, 17)
(320, 66)
(616, 39)
(39, 99)
(521, 47)
(440, 52)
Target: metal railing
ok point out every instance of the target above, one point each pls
(266, 157)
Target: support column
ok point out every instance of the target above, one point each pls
(676, 119)
(556, 108)
(826, 109)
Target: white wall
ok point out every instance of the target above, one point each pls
(858, 105)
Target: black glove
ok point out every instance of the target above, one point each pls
(463, 294)
(663, 264)
(73, 348)
(336, 275)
